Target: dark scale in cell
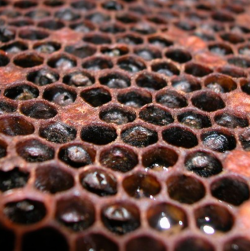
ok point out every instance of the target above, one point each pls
(75, 213)
(194, 243)
(57, 132)
(139, 136)
(78, 79)
(6, 34)
(34, 150)
(28, 60)
(203, 164)
(99, 182)
(51, 24)
(12, 179)
(231, 190)
(165, 68)
(230, 120)
(218, 141)
(25, 212)
(150, 81)
(96, 96)
(47, 47)
(194, 119)
(97, 64)
(131, 64)
(171, 99)
(121, 217)
(119, 158)
(117, 115)
(81, 51)
(43, 77)
(115, 80)
(21, 92)
(60, 95)
(179, 136)
(156, 115)
(7, 107)
(75, 155)
(134, 98)
(99, 134)
(14, 47)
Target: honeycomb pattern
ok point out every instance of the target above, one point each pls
(124, 125)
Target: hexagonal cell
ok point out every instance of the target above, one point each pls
(231, 190)
(96, 96)
(76, 155)
(115, 50)
(143, 28)
(60, 95)
(147, 53)
(197, 70)
(117, 114)
(159, 158)
(28, 60)
(127, 18)
(98, 17)
(37, 14)
(115, 80)
(97, 38)
(15, 47)
(53, 3)
(180, 137)
(220, 83)
(34, 150)
(121, 217)
(139, 136)
(21, 91)
(7, 106)
(194, 243)
(51, 24)
(53, 179)
(78, 79)
(150, 81)
(83, 27)
(244, 140)
(129, 39)
(232, 71)
(81, 51)
(13, 179)
(239, 62)
(43, 77)
(186, 84)
(208, 101)
(47, 47)
(134, 98)
(62, 62)
(213, 219)
(45, 238)
(167, 218)
(166, 68)
(119, 158)
(112, 28)
(6, 34)
(25, 211)
(219, 141)
(95, 241)
(245, 85)
(171, 99)
(15, 125)
(83, 6)
(145, 243)
(38, 110)
(203, 164)
(194, 119)
(222, 16)
(131, 64)
(25, 4)
(185, 189)
(237, 243)
(3, 149)
(21, 23)
(75, 213)
(57, 132)
(99, 134)
(33, 34)
(244, 50)
(67, 15)
(229, 120)
(232, 38)
(97, 63)
(99, 182)
(220, 49)
(159, 41)
(141, 185)
(178, 55)
(156, 115)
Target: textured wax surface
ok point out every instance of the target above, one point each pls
(124, 125)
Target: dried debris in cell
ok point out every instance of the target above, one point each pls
(124, 125)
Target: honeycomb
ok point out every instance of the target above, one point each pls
(124, 125)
